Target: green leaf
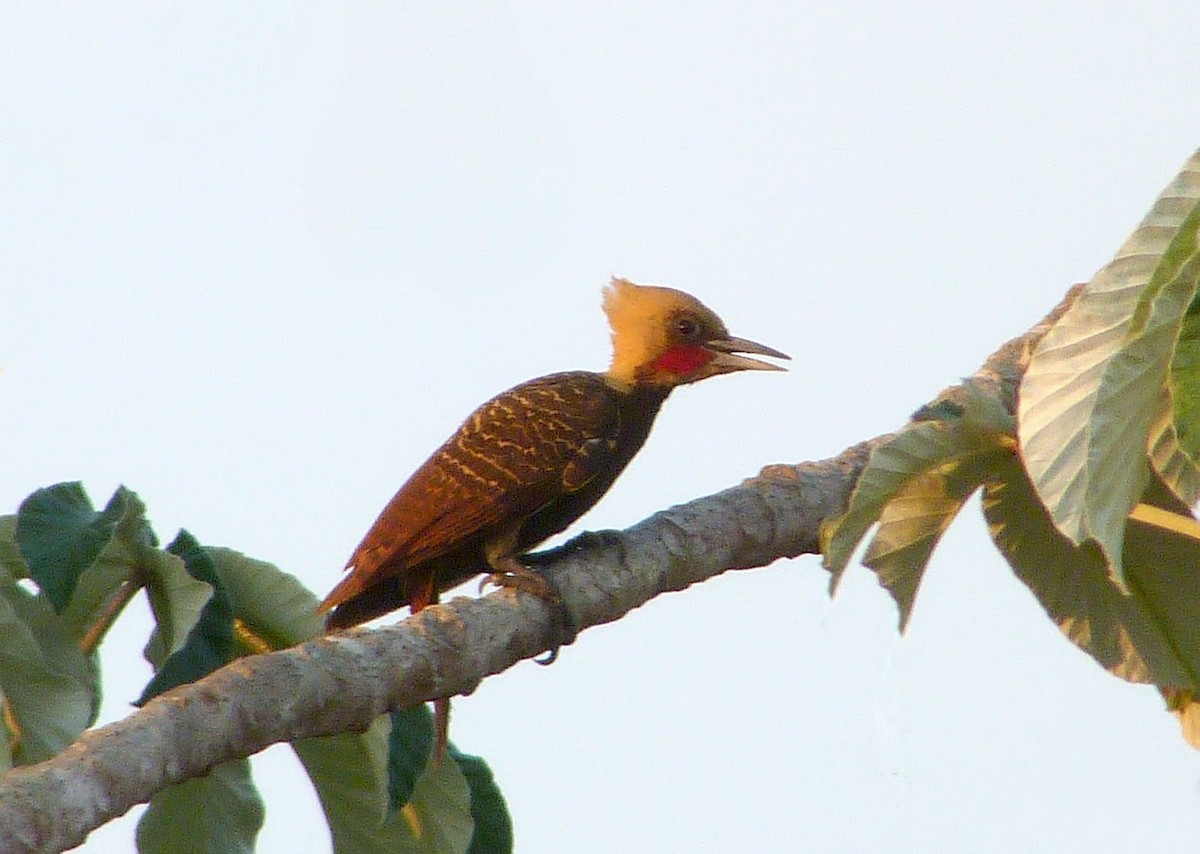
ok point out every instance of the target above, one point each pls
(985, 417)
(1185, 383)
(977, 426)
(7, 759)
(270, 603)
(439, 812)
(12, 564)
(1088, 396)
(493, 824)
(81, 559)
(60, 535)
(176, 600)
(130, 546)
(914, 520)
(210, 643)
(410, 745)
(350, 773)
(219, 813)
(1151, 633)
(51, 690)
(380, 793)
(893, 462)
(1177, 471)
(356, 775)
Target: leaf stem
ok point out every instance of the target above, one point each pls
(112, 609)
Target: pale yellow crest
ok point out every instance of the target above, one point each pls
(639, 316)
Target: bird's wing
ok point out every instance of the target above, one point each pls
(512, 456)
(594, 456)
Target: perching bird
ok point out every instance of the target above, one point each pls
(533, 459)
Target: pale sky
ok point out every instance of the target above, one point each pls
(258, 261)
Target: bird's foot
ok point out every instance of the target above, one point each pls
(520, 577)
(516, 576)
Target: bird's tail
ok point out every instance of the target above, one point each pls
(349, 604)
(377, 600)
(381, 597)
(428, 595)
(441, 728)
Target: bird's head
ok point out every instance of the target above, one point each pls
(663, 338)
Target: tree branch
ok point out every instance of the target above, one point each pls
(343, 682)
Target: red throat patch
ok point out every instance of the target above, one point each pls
(684, 360)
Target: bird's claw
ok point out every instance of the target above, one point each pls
(518, 577)
(527, 581)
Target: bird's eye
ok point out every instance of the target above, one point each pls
(688, 328)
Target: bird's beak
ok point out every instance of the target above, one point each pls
(727, 361)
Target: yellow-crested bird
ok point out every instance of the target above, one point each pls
(532, 460)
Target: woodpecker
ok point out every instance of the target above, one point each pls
(533, 459)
